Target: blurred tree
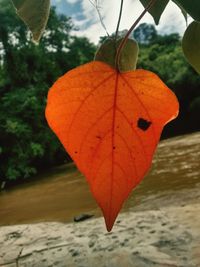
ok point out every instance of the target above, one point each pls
(145, 33)
(26, 73)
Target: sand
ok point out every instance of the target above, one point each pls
(159, 238)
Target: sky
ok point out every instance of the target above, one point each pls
(85, 17)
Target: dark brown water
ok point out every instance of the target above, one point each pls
(63, 193)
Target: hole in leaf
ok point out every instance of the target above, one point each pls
(143, 124)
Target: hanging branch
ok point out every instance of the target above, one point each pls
(97, 7)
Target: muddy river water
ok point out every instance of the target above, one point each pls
(63, 192)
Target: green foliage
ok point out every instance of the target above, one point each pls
(81, 50)
(26, 73)
(35, 14)
(157, 9)
(191, 45)
(164, 57)
(187, 7)
(191, 7)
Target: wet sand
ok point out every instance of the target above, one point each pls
(154, 238)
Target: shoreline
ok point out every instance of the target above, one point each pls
(158, 201)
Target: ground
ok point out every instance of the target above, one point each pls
(159, 238)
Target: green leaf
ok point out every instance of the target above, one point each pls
(185, 14)
(192, 7)
(35, 14)
(128, 57)
(157, 9)
(191, 45)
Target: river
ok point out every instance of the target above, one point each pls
(63, 192)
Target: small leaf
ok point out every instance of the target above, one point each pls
(128, 57)
(110, 123)
(157, 9)
(192, 7)
(35, 14)
(191, 45)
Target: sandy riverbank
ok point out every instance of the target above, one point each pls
(159, 228)
(159, 238)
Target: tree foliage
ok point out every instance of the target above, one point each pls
(26, 73)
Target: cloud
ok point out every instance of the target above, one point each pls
(172, 19)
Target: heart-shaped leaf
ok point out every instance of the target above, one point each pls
(35, 14)
(110, 124)
(191, 7)
(157, 9)
(191, 45)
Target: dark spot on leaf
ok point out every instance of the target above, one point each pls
(98, 136)
(114, 147)
(143, 124)
(75, 152)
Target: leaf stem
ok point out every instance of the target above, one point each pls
(123, 42)
(119, 19)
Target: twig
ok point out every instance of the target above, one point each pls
(97, 7)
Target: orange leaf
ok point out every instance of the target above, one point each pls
(110, 124)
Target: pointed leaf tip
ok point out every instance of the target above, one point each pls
(35, 15)
(157, 9)
(110, 124)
